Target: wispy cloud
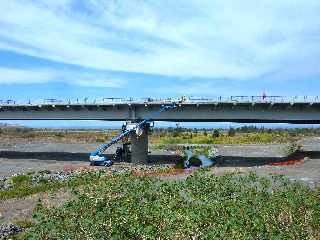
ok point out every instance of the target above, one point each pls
(212, 39)
(202, 88)
(107, 82)
(21, 76)
(86, 79)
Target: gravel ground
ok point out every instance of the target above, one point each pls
(8, 229)
(23, 157)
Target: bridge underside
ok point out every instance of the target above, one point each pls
(298, 113)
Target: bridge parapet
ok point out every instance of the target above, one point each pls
(190, 100)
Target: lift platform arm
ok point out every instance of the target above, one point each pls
(96, 156)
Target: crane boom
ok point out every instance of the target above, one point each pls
(96, 156)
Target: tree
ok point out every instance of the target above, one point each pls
(216, 133)
(231, 132)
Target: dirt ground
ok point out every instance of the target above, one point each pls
(22, 157)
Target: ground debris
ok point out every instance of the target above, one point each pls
(5, 184)
(6, 230)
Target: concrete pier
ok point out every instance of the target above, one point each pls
(139, 147)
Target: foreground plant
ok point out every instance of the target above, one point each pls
(22, 186)
(201, 207)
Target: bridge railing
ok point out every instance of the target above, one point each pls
(259, 99)
(110, 100)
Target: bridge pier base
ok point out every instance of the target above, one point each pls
(139, 146)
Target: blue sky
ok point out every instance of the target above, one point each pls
(148, 48)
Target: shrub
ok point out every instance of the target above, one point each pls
(201, 207)
(216, 133)
(21, 180)
(231, 132)
(100, 140)
(292, 148)
(59, 134)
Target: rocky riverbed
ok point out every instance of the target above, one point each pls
(62, 161)
(6, 230)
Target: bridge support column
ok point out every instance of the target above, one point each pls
(139, 147)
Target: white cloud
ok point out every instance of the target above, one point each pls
(200, 89)
(86, 79)
(205, 38)
(105, 82)
(21, 76)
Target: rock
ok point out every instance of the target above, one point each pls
(7, 230)
(213, 152)
(5, 184)
(306, 159)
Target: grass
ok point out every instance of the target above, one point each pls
(24, 223)
(45, 135)
(23, 191)
(292, 148)
(21, 180)
(250, 138)
(22, 186)
(201, 207)
(244, 135)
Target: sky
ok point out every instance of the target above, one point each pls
(68, 49)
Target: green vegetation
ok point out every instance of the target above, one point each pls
(249, 138)
(24, 223)
(201, 207)
(22, 185)
(178, 135)
(292, 148)
(61, 135)
(231, 132)
(22, 191)
(244, 135)
(216, 133)
(21, 180)
(100, 140)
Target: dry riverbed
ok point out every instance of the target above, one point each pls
(18, 157)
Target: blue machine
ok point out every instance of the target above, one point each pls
(96, 157)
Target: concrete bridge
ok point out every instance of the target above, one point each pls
(244, 109)
(300, 110)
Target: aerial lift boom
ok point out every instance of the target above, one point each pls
(96, 157)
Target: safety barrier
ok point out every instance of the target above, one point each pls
(110, 100)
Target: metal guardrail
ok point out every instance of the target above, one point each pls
(218, 99)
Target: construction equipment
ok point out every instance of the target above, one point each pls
(96, 157)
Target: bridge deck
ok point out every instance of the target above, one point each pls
(201, 110)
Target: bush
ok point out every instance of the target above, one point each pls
(292, 148)
(201, 207)
(231, 132)
(100, 140)
(21, 180)
(216, 133)
(59, 134)
(23, 187)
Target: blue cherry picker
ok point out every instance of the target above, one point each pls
(97, 158)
